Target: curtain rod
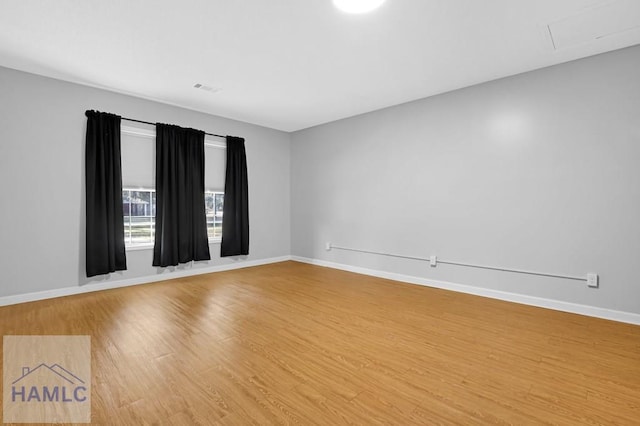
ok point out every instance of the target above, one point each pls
(153, 124)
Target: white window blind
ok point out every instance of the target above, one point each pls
(138, 153)
(138, 157)
(215, 163)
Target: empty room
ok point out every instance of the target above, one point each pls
(320, 212)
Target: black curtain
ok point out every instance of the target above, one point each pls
(235, 218)
(104, 218)
(181, 223)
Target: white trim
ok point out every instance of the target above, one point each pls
(591, 311)
(91, 287)
(138, 131)
(210, 143)
(137, 247)
(149, 246)
(151, 134)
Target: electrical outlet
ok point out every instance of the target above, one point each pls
(327, 246)
(433, 261)
(592, 280)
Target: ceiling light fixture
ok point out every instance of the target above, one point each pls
(357, 6)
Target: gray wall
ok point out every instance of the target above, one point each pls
(538, 171)
(42, 181)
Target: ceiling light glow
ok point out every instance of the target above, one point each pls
(357, 6)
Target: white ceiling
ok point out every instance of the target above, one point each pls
(292, 64)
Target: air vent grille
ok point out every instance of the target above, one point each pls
(206, 88)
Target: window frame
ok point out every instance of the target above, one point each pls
(143, 246)
(151, 134)
(138, 246)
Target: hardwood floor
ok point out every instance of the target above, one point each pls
(294, 343)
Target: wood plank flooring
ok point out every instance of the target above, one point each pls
(291, 343)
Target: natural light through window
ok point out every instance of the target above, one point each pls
(139, 210)
(138, 181)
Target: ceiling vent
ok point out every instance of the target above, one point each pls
(207, 88)
(605, 20)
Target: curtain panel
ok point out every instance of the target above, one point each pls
(105, 250)
(235, 216)
(181, 224)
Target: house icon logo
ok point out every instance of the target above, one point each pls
(46, 379)
(62, 385)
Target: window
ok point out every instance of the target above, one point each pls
(138, 179)
(139, 209)
(213, 202)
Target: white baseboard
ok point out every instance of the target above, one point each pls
(592, 311)
(107, 285)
